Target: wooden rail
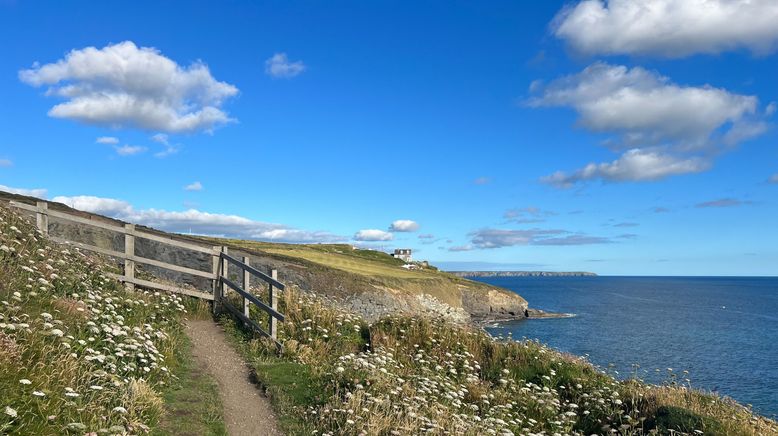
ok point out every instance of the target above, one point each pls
(221, 260)
(248, 298)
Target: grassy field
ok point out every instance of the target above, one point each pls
(369, 263)
(80, 354)
(342, 271)
(339, 375)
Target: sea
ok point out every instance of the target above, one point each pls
(722, 330)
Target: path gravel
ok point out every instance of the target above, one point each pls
(246, 411)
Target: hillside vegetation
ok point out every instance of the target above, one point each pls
(372, 283)
(80, 354)
(341, 375)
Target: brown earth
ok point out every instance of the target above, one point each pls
(246, 411)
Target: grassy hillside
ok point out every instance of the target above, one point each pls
(367, 281)
(340, 375)
(339, 270)
(80, 354)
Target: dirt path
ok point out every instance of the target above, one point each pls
(246, 411)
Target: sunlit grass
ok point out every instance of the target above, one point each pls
(78, 352)
(406, 375)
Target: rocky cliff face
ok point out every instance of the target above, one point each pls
(435, 293)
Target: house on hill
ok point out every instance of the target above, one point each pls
(403, 254)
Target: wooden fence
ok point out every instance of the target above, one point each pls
(221, 283)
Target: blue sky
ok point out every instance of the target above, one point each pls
(617, 137)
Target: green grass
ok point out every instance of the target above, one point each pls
(369, 263)
(291, 386)
(81, 354)
(403, 375)
(192, 403)
(342, 271)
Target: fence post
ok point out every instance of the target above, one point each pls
(246, 287)
(129, 251)
(225, 273)
(274, 304)
(42, 217)
(216, 258)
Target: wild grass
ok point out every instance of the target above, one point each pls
(79, 353)
(337, 374)
(369, 263)
(192, 402)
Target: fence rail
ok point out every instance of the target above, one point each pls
(218, 275)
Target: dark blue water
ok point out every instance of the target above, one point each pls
(723, 330)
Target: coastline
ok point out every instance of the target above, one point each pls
(533, 314)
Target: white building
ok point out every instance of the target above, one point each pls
(403, 253)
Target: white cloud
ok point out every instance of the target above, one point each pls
(161, 138)
(279, 66)
(634, 165)
(482, 181)
(458, 248)
(645, 107)
(668, 28)
(404, 226)
(6, 163)
(773, 179)
(123, 85)
(129, 150)
(196, 186)
(498, 238)
(39, 192)
(667, 129)
(100, 205)
(527, 215)
(373, 235)
(723, 202)
(197, 222)
(110, 140)
(164, 139)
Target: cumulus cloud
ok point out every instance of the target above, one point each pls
(129, 150)
(404, 226)
(197, 222)
(109, 140)
(527, 215)
(773, 179)
(123, 85)
(665, 128)
(498, 238)
(723, 202)
(38, 192)
(668, 28)
(279, 66)
(634, 165)
(195, 186)
(373, 235)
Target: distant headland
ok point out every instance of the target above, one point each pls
(523, 273)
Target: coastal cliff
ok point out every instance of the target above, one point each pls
(367, 282)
